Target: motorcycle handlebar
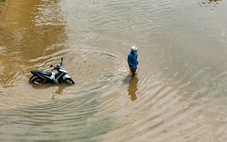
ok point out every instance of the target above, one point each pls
(58, 66)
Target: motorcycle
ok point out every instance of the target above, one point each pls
(43, 77)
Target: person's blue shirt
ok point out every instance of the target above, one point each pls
(132, 60)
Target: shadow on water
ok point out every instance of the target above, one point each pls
(132, 86)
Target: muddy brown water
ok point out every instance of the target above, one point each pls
(178, 95)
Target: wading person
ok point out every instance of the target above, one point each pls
(132, 60)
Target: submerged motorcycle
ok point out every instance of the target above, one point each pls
(43, 77)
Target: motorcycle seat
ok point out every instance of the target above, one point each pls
(41, 72)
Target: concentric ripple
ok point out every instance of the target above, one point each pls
(178, 94)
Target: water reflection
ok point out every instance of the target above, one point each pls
(40, 86)
(132, 88)
(31, 37)
(214, 0)
(180, 90)
(60, 87)
(212, 3)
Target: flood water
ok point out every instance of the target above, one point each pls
(178, 95)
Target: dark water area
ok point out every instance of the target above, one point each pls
(178, 94)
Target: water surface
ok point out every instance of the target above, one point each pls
(179, 93)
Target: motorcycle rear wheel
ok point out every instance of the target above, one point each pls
(69, 81)
(37, 80)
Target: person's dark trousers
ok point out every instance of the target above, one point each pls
(133, 71)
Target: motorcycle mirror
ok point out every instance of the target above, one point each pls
(51, 65)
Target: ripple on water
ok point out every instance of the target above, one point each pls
(177, 95)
